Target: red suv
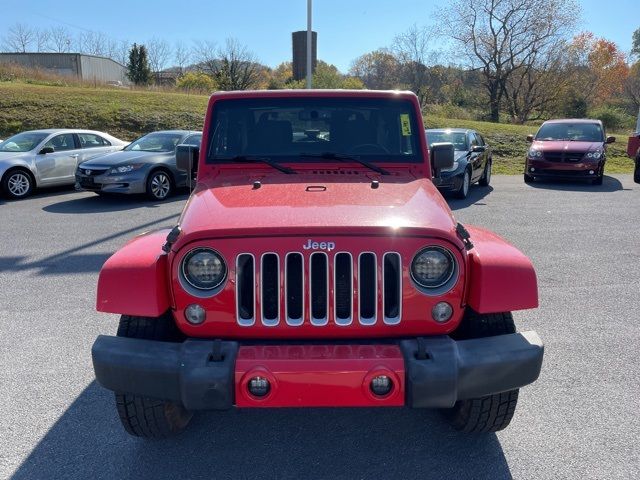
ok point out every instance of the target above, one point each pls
(570, 149)
(316, 265)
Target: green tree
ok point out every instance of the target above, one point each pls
(328, 76)
(138, 69)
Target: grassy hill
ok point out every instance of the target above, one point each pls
(128, 114)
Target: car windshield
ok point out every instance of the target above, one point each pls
(156, 142)
(313, 129)
(581, 132)
(459, 139)
(22, 142)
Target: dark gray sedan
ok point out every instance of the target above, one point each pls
(147, 165)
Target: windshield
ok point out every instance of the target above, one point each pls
(306, 129)
(581, 132)
(459, 139)
(22, 142)
(156, 142)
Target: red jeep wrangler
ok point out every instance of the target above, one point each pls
(316, 265)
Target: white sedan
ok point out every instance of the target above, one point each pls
(48, 158)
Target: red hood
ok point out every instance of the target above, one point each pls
(320, 203)
(570, 146)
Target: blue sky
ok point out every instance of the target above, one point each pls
(346, 28)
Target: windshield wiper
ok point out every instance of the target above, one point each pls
(346, 158)
(267, 160)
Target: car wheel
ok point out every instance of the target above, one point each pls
(463, 191)
(143, 416)
(486, 176)
(17, 184)
(598, 180)
(493, 412)
(159, 185)
(528, 178)
(636, 171)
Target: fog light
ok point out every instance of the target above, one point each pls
(259, 386)
(441, 312)
(381, 385)
(195, 314)
(532, 169)
(591, 172)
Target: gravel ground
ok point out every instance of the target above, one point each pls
(580, 420)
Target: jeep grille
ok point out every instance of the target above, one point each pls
(321, 287)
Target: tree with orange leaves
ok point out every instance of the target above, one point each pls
(600, 68)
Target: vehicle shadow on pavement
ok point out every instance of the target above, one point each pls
(70, 260)
(115, 203)
(476, 193)
(89, 442)
(609, 184)
(42, 193)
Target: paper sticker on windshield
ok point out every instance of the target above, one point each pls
(406, 124)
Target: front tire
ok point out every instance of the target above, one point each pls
(463, 191)
(493, 412)
(159, 185)
(17, 184)
(598, 180)
(485, 180)
(636, 171)
(143, 416)
(528, 178)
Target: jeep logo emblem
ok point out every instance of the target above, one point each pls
(311, 245)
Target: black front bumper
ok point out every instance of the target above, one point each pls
(199, 374)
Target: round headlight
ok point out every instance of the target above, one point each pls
(204, 269)
(432, 267)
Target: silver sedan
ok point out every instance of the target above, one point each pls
(147, 165)
(48, 158)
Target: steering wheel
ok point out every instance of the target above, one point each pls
(368, 148)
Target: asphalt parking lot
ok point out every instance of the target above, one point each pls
(580, 420)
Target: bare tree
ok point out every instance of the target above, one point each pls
(158, 53)
(206, 56)
(19, 38)
(532, 89)
(233, 66)
(93, 43)
(499, 37)
(121, 54)
(411, 48)
(60, 39)
(181, 56)
(42, 39)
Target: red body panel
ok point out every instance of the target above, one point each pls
(134, 280)
(319, 375)
(230, 206)
(501, 278)
(221, 309)
(633, 146)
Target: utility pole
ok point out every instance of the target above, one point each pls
(309, 50)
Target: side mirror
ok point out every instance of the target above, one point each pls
(611, 139)
(46, 150)
(442, 156)
(529, 138)
(478, 148)
(187, 158)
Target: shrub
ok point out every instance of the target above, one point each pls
(613, 118)
(196, 82)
